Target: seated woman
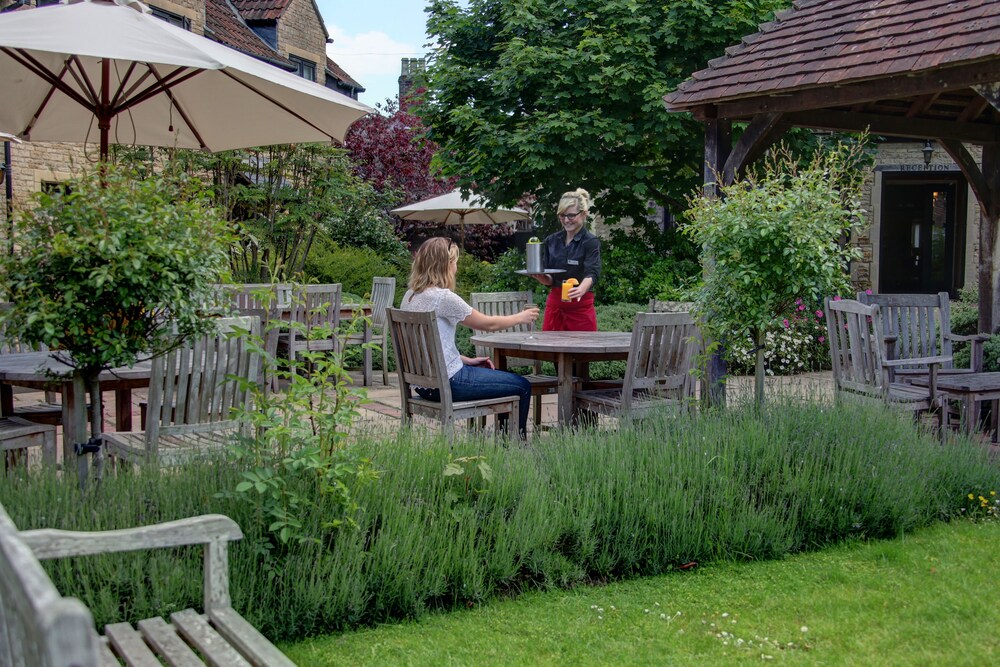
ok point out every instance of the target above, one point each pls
(432, 281)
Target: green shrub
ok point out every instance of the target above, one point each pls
(642, 263)
(965, 312)
(354, 268)
(577, 506)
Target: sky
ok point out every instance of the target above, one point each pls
(371, 37)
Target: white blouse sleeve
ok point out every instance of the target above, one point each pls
(453, 308)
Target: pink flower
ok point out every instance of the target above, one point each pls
(802, 306)
(819, 313)
(836, 298)
(822, 339)
(868, 291)
(785, 322)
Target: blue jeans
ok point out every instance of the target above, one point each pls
(475, 382)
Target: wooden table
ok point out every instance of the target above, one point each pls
(42, 370)
(565, 348)
(969, 389)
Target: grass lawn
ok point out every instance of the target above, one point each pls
(924, 599)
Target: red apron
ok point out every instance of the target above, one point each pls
(569, 315)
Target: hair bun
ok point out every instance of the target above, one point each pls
(584, 197)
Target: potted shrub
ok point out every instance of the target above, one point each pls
(112, 267)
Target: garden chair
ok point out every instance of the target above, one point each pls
(658, 306)
(861, 369)
(266, 301)
(49, 411)
(193, 392)
(509, 303)
(314, 318)
(658, 375)
(383, 295)
(919, 325)
(420, 363)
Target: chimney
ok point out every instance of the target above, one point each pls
(410, 70)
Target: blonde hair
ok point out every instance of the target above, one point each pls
(579, 198)
(430, 265)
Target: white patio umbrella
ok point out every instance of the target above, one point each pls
(100, 71)
(454, 209)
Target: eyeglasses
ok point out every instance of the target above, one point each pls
(569, 216)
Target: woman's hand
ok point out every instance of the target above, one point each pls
(528, 315)
(478, 361)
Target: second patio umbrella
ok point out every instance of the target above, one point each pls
(454, 209)
(101, 71)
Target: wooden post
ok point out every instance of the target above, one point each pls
(718, 143)
(989, 214)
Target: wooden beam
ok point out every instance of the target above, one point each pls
(921, 104)
(888, 87)
(761, 133)
(988, 216)
(977, 133)
(972, 110)
(718, 143)
(971, 171)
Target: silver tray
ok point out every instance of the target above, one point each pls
(524, 272)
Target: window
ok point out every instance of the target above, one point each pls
(306, 68)
(267, 31)
(170, 17)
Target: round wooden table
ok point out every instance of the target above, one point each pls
(564, 348)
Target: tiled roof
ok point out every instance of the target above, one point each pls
(261, 10)
(224, 25)
(827, 43)
(337, 72)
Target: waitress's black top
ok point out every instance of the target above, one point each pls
(581, 258)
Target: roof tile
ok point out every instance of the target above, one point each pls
(224, 25)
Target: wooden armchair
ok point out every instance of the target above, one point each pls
(509, 303)
(382, 296)
(916, 326)
(314, 318)
(856, 334)
(192, 395)
(663, 353)
(420, 363)
(41, 628)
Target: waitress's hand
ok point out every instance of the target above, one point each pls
(577, 292)
(543, 278)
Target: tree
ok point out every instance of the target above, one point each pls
(775, 236)
(114, 266)
(542, 97)
(391, 151)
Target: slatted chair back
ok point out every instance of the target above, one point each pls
(194, 390)
(856, 335)
(919, 324)
(315, 309)
(663, 351)
(383, 297)
(38, 626)
(504, 303)
(660, 306)
(420, 363)
(12, 344)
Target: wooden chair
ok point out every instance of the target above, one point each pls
(658, 374)
(509, 303)
(420, 363)
(41, 628)
(191, 399)
(861, 370)
(382, 296)
(658, 306)
(313, 320)
(49, 411)
(266, 301)
(916, 326)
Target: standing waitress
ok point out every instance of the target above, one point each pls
(578, 252)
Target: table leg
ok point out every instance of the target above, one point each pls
(123, 409)
(564, 368)
(6, 400)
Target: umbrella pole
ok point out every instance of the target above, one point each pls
(461, 230)
(104, 112)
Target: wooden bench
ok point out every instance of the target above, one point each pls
(41, 628)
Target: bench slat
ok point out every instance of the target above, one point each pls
(255, 646)
(105, 655)
(195, 629)
(171, 648)
(128, 644)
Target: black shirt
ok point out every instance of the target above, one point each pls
(581, 258)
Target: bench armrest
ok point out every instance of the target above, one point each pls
(917, 361)
(51, 543)
(974, 338)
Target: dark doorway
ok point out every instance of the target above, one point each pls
(922, 234)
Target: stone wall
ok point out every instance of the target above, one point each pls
(300, 33)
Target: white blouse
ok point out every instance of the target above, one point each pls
(450, 309)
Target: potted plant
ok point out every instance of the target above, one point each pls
(112, 267)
